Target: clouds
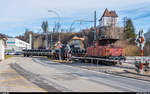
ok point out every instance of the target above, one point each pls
(36, 8)
(21, 14)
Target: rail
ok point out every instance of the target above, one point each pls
(92, 58)
(129, 61)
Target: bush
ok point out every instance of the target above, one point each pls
(131, 50)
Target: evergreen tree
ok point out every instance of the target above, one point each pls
(129, 30)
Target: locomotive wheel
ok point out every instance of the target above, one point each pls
(88, 61)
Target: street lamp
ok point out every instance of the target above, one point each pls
(87, 21)
(57, 29)
(80, 23)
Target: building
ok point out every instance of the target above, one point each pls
(108, 18)
(77, 42)
(39, 42)
(2, 47)
(108, 26)
(16, 45)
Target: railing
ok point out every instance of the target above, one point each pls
(133, 59)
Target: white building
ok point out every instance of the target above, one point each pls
(2, 47)
(16, 45)
(108, 18)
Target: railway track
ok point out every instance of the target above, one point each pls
(118, 70)
(113, 61)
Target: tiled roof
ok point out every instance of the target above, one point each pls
(109, 14)
(77, 38)
(106, 13)
(82, 39)
(113, 14)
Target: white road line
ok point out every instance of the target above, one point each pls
(103, 73)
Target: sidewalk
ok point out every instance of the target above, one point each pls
(11, 81)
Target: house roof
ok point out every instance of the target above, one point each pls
(109, 14)
(106, 13)
(113, 14)
(77, 38)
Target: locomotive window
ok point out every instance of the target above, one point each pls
(107, 42)
(102, 43)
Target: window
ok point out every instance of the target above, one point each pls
(77, 46)
(76, 42)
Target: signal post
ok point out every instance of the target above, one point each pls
(140, 40)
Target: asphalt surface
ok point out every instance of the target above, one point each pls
(36, 79)
(56, 77)
(11, 81)
(122, 83)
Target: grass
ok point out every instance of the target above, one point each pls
(59, 61)
(8, 56)
(131, 50)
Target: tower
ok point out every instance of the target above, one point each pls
(109, 18)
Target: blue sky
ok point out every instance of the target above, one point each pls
(17, 15)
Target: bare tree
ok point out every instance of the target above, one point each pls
(45, 29)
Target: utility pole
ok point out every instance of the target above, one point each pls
(80, 26)
(60, 44)
(52, 38)
(46, 40)
(94, 27)
(58, 24)
(30, 40)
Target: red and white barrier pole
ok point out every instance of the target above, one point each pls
(141, 41)
(142, 46)
(141, 66)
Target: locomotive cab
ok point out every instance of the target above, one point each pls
(107, 42)
(105, 48)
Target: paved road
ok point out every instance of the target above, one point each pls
(67, 78)
(11, 81)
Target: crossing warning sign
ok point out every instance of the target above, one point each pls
(140, 40)
(59, 44)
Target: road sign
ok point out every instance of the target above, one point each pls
(59, 45)
(140, 40)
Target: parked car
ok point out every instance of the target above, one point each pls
(12, 53)
(6, 53)
(18, 53)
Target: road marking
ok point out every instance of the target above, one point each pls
(84, 78)
(105, 73)
(107, 81)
